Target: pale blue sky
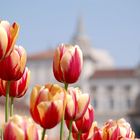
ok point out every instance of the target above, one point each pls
(113, 25)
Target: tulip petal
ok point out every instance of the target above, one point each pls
(14, 30)
(23, 83)
(83, 103)
(23, 57)
(115, 134)
(84, 124)
(50, 113)
(56, 64)
(3, 41)
(11, 36)
(32, 130)
(70, 107)
(34, 96)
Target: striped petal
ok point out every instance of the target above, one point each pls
(34, 96)
(50, 113)
(70, 107)
(8, 37)
(3, 42)
(13, 132)
(83, 103)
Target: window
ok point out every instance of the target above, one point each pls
(93, 96)
(128, 103)
(127, 88)
(94, 101)
(111, 103)
(110, 96)
(93, 89)
(110, 88)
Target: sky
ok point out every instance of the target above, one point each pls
(113, 25)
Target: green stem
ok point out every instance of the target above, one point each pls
(43, 134)
(79, 135)
(62, 120)
(7, 101)
(61, 128)
(66, 86)
(70, 129)
(11, 106)
(1, 131)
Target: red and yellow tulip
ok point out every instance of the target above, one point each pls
(76, 104)
(84, 124)
(47, 104)
(8, 36)
(67, 63)
(20, 128)
(94, 133)
(17, 88)
(12, 67)
(113, 130)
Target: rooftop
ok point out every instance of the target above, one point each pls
(47, 54)
(114, 73)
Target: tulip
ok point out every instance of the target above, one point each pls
(8, 36)
(113, 130)
(94, 133)
(17, 88)
(12, 67)
(84, 124)
(76, 104)
(20, 128)
(46, 105)
(67, 63)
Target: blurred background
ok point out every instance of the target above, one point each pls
(107, 31)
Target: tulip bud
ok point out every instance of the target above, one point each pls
(46, 105)
(20, 128)
(67, 63)
(8, 36)
(76, 104)
(113, 130)
(12, 67)
(17, 88)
